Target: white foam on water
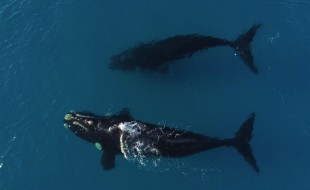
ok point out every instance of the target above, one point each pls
(138, 148)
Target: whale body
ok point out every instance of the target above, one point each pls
(157, 55)
(121, 134)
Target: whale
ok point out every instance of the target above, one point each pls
(121, 134)
(157, 55)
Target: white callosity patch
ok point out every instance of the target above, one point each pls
(80, 125)
(68, 117)
(83, 116)
(138, 147)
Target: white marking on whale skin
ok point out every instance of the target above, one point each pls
(89, 122)
(78, 124)
(176, 135)
(68, 117)
(83, 116)
(110, 129)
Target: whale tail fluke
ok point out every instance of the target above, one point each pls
(242, 46)
(241, 141)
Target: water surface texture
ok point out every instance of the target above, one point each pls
(54, 57)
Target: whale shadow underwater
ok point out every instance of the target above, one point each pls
(156, 56)
(121, 134)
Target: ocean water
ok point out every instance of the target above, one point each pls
(54, 57)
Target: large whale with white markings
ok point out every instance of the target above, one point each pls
(121, 134)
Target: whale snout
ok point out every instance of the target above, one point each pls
(68, 118)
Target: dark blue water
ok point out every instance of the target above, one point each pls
(54, 57)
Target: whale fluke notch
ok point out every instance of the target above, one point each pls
(241, 141)
(242, 46)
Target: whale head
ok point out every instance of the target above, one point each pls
(86, 125)
(95, 128)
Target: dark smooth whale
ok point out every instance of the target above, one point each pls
(122, 134)
(156, 56)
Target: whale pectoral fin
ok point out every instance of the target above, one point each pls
(108, 160)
